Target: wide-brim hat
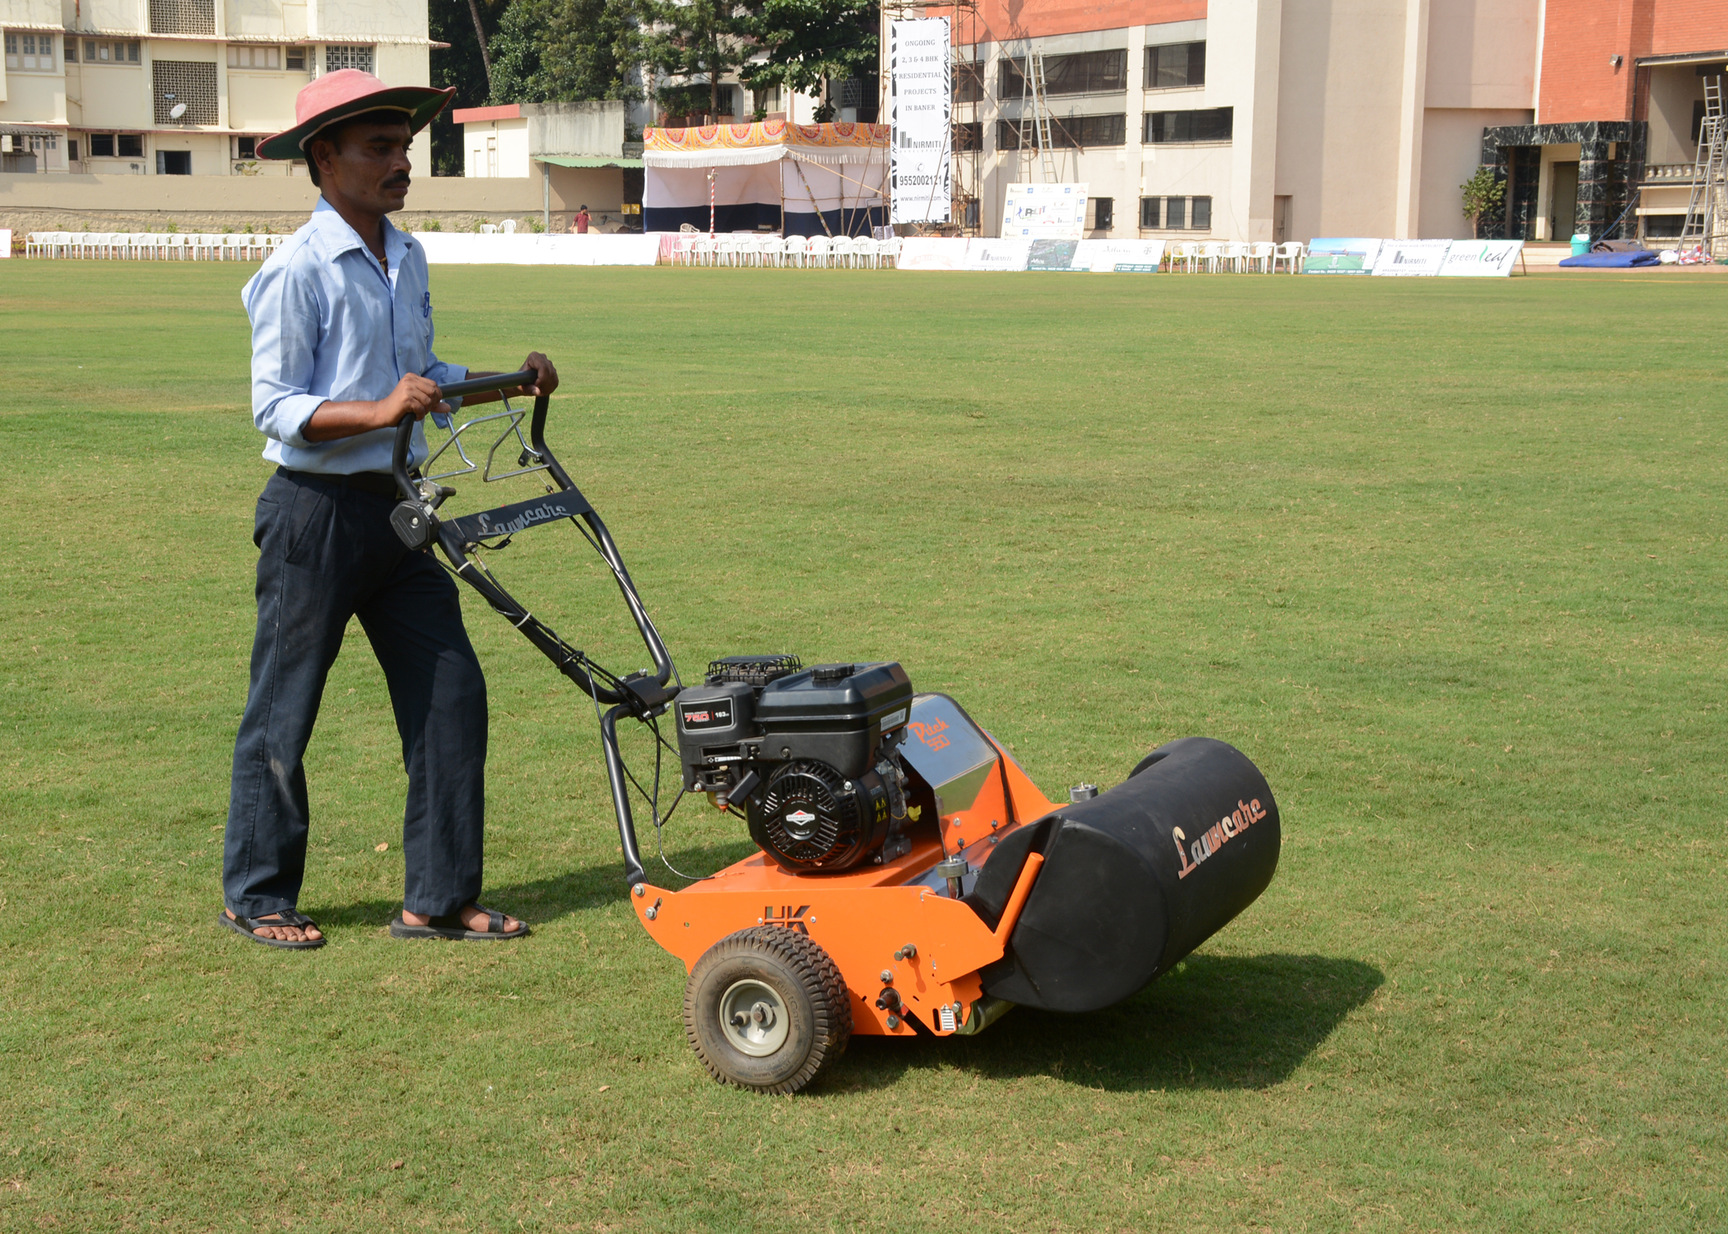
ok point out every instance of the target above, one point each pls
(350, 92)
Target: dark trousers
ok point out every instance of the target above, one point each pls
(327, 553)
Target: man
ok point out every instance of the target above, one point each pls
(580, 220)
(341, 352)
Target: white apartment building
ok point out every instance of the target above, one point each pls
(185, 87)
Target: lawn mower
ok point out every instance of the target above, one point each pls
(909, 877)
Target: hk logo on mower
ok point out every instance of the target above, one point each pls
(786, 915)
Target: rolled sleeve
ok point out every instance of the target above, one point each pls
(283, 305)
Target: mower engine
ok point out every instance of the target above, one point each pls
(809, 755)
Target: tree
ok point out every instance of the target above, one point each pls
(697, 39)
(1483, 194)
(813, 43)
(461, 65)
(564, 51)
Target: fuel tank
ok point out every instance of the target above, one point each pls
(1133, 879)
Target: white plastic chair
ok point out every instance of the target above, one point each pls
(703, 251)
(888, 252)
(1260, 256)
(508, 227)
(1235, 259)
(1211, 256)
(233, 247)
(34, 243)
(816, 254)
(793, 250)
(1292, 253)
(488, 229)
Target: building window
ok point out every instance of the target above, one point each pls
(192, 82)
(245, 147)
(338, 56)
(1085, 72)
(1175, 127)
(101, 145)
(110, 52)
(1175, 64)
(30, 52)
(173, 162)
(1100, 213)
(969, 135)
(182, 16)
(241, 56)
(70, 51)
(1177, 213)
(969, 82)
(1067, 132)
(294, 59)
(71, 150)
(129, 145)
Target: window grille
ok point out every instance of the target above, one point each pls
(295, 58)
(1178, 213)
(340, 56)
(1175, 64)
(969, 135)
(190, 82)
(1176, 127)
(182, 16)
(109, 52)
(1068, 132)
(1084, 72)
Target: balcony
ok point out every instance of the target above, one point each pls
(1668, 173)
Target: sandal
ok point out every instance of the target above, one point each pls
(246, 927)
(451, 925)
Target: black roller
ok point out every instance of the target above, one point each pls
(1134, 879)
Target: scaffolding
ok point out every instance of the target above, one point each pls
(1706, 225)
(965, 161)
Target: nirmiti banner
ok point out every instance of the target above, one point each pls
(920, 119)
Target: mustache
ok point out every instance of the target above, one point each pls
(400, 178)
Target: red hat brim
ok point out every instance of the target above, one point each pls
(418, 105)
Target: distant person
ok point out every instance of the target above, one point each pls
(579, 224)
(341, 352)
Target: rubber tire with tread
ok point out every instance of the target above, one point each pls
(807, 981)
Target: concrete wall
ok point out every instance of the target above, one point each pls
(576, 128)
(1451, 152)
(495, 148)
(193, 203)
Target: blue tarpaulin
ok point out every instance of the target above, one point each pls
(1613, 261)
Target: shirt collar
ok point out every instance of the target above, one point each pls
(336, 237)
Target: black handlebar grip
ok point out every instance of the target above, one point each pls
(480, 385)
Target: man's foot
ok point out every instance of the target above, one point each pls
(473, 918)
(285, 929)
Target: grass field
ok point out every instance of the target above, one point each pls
(1445, 558)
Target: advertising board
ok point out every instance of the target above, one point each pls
(1481, 258)
(1044, 211)
(1119, 256)
(1410, 258)
(1341, 256)
(920, 121)
(1009, 254)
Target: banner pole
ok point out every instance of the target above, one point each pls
(710, 203)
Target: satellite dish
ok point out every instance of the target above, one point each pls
(178, 110)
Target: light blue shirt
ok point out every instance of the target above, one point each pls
(329, 324)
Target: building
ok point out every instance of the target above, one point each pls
(184, 87)
(577, 150)
(1289, 119)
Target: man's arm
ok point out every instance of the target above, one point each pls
(414, 395)
(545, 381)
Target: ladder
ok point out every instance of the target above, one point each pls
(1706, 225)
(1035, 117)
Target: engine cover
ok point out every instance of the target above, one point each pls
(810, 817)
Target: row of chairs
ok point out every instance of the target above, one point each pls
(750, 249)
(1236, 257)
(150, 246)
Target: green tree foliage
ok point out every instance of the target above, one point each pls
(812, 43)
(460, 65)
(564, 51)
(694, 39)
(1483, 194)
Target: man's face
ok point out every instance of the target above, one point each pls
(366, 163)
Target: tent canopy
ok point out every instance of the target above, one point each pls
(802, 179)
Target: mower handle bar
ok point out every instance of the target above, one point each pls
(456, 389)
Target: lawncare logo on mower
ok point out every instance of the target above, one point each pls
(786, 915)
(1233, 824)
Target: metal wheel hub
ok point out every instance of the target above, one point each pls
(753, 1017)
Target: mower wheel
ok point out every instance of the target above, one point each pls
(766, 1009)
